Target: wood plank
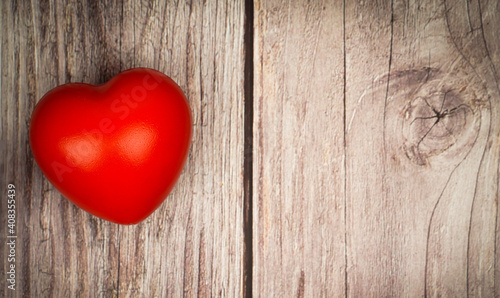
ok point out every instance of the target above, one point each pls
(298, 183)
(421, 195)
(193, 244)
(422, 162)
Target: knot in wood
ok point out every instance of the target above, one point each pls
(440, 121)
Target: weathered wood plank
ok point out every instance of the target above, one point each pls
(425, 111)
(298, 185)
(421, 168)
(192, 245)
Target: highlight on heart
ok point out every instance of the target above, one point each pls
(84, 146)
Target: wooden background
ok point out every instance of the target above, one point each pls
(339, 149)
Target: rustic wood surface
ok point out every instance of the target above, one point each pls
(340, 148)
(376, 149)
(193, 244)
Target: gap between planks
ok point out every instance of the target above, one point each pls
(248, 41)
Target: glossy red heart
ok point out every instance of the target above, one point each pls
(116, 149)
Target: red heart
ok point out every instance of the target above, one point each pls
(116, 149)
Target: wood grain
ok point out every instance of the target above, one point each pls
(298, 185)
(364, 163)
(377, 121)
(423, 113)
(193, 244)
